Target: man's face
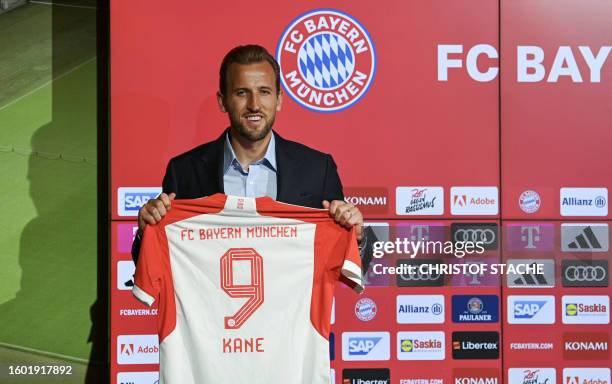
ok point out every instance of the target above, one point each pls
(250, 99)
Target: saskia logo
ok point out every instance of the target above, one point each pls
(327, 60)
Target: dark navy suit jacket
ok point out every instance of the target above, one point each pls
(304, 176)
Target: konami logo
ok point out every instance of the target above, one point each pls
(476, 376)
(137, 349)
(368, 200)
(586, 345)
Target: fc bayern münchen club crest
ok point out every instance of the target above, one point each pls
(327, 60)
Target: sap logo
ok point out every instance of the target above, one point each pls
(131, 199)
(529, 59)
(527, 309)
(531, 309)
(362, 345)
(365, 346)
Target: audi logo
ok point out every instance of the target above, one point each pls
(487, 236)
(585, 273)
(418, 276)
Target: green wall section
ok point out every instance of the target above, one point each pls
(48, 194)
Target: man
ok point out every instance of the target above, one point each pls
(249, 159)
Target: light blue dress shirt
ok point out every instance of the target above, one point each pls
(258, 181)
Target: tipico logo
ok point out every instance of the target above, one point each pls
(327, 60)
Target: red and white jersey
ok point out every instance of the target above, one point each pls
(245, 289)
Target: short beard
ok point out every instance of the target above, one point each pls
(249, 135)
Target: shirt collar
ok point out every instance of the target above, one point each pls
(229, 156)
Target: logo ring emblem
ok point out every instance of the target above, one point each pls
(327, 60)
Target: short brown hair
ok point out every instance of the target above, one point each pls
(247, 54)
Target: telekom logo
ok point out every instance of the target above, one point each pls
(127, 349)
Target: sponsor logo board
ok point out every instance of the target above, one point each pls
(365, 309)
(530, 237)
(418, 279)
(125, 275)
(125, 237)
(137, 349)
(420, 309)
(421, 231)
(420, 346)
(419, 200)
(366, 376)
(474, 200)
(584, 273)
(532, 376)
(370, 201)
(529, 201)
(476, 376)
(138, 378)
(366, 346)
(585, 309)
(584, 201)
(475, 345)
(487, 233)
(584, 237)
(586, 345)
(475, 309)
(484, 279)
(586, 375)
(532, 280)
(131, 199)
(523, 309)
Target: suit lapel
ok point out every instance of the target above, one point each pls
(287, 170)
(211, 173)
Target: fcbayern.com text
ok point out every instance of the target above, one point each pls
(428, 269)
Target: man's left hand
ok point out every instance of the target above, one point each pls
(346, 215)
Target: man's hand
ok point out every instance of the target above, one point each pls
(346, 215)
(154, 209)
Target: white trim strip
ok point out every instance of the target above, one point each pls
(47, 83)
(142, 295)
(62, 5)
(352, 272)
(40, 352)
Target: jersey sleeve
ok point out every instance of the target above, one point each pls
(351, 266)
(148, 278)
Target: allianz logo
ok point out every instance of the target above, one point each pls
(475, 380)
(409, 308)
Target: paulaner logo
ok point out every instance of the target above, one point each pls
(327, 60)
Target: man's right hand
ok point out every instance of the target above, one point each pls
(154, 209)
